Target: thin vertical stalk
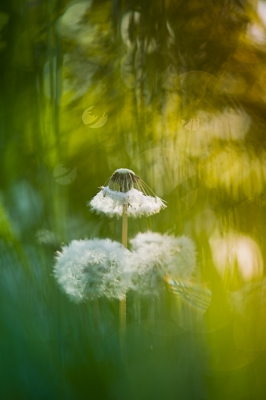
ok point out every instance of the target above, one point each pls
(122, 305)
(124, 226)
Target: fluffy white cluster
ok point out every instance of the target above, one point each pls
(88, 269)
(155, 257)
(111, 203)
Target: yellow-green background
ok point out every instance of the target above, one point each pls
(183, 86)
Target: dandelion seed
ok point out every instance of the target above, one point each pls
(155, 257)
(88, 269)
(125, 189)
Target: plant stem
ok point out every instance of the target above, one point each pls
(124, 226)
(122, 305)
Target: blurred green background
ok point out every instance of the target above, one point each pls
(175, 91)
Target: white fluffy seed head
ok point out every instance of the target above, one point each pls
(111, 203)
(156, 256)
(126, 188)
(88, 269)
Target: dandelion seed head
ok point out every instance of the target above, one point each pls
(155, 256)
(126, 188)
(88, 269)
(147, 273)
